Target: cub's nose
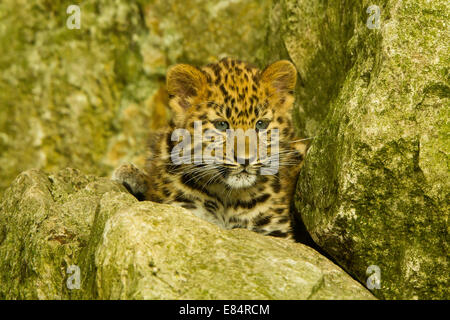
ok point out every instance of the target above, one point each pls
(245, 161)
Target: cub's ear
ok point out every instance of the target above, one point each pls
(185, 82)
(281, 76)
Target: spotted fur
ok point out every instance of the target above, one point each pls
(228, 194)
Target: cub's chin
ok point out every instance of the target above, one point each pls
(241, 180)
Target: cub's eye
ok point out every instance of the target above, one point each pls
(221, 125)
(262, 125)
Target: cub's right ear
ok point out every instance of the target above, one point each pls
(185, 82)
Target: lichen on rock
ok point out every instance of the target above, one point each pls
(374, 189)
(126, 249)
(87, 98)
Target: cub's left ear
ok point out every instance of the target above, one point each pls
(185, 82)
(281, 76)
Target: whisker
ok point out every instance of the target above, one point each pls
(310, 138)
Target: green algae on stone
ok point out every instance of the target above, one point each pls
(59, 91)
(200, 261)
(126, 249)
(86, 98)
(374, 188)
(45, 222)
(203, 31)
(315, 36)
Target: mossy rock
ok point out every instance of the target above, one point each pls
(374, 189)
(125, 249)
(87, 98)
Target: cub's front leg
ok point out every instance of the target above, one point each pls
(135, 180)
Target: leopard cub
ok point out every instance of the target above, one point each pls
(231, 188)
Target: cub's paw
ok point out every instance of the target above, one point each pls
(135, 180)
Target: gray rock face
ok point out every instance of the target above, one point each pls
(126, 249)
(375, 187)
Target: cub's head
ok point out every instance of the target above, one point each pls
(243, 115)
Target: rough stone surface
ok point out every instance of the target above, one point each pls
(314, 35)
(375, 187)
(45, 222)
(127, 249)
(87, 98)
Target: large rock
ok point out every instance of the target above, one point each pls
(45, 223)
(125, 249)
(314, 35)
(375, 187)
(87, 98)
